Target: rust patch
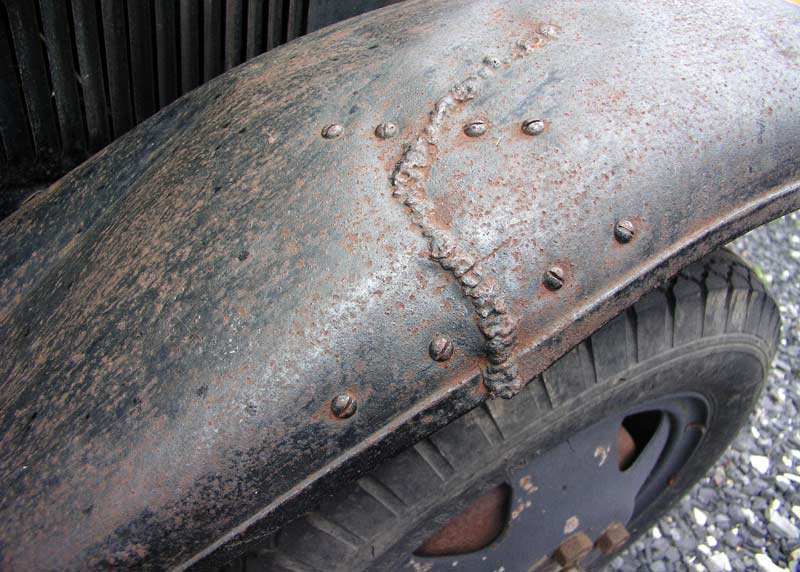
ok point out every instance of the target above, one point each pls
(497, 324)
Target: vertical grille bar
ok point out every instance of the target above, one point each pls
(32, 71)
(212, 35)
(255, 28)
(55, 22)
(294, 19)
(275, 24)
(234, 14)
(13, 118)
(116, 43)
(190, 44)
(90, 63)
(140, 21)
(166, 52)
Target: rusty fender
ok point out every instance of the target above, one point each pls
(178, 313)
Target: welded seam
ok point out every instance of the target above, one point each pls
(411, 173)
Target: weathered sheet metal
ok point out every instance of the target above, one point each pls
(177, 313)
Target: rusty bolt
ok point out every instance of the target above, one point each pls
(332, 131)
(624, 231)
(343, 406)
(475, 128)
(613, 538)
(386, 130)
(573, 549)
(533, 127)
(554, 278)
(441, 349)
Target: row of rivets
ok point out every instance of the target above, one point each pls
(531, 127)
(477, 128)
(382, 131)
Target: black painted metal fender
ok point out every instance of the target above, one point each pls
(177, 313)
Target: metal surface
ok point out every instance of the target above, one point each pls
(166, 402)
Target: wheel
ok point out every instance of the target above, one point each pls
(587, 457)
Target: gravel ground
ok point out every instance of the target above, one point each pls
(746, 514)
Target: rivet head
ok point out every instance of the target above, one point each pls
(386, 130)
(613, 539)
(344, 406)
(533, 127)
(553, 278)
(332, 131)
(624, 231)
(475, 128)
(573, 549)
(441, 349)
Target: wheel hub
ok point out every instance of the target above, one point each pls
(571, 505)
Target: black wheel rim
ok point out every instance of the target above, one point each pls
(579, 487)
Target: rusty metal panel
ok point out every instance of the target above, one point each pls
(196, 299)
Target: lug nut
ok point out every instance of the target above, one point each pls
(533, 127)
(624, 231)
(573, 550)
(441, 349)
(344, 406)
(613, 539)
(475, 129)
(386, 130)
(332, 131)
(553, 279)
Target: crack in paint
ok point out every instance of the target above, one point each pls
(496, 323)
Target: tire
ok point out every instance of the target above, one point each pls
(711, 331)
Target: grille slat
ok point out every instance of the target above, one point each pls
(55, 22)
(255, 28)
(234, 14)
(143, 78)
(212, 39)
(14, 127)
(275, 24)
(117, 70)
(166, 51)
(33, 74)
(90, 72)
(294, 19)
(190, 44)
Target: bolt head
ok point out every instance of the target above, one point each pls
(332, 131)
(533, 127)
(386, 130)
(573, 549)
(613, 539)
(475, 128)
(624, 231)
(553, 278)
(441, 348)
(344, 406)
